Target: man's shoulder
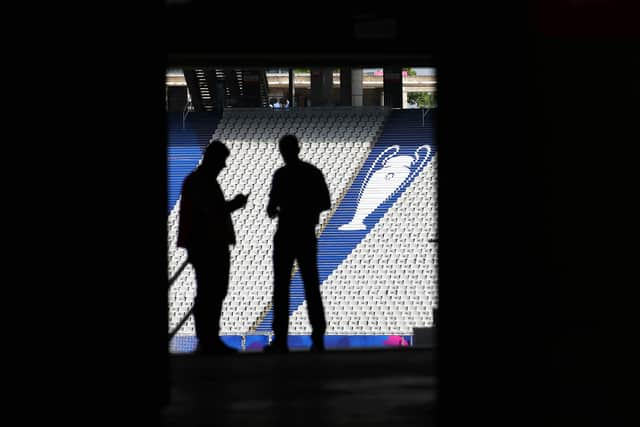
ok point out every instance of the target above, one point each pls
(300, 169)
(194, 176)
(198, 181)
(189, 179)
(311, 168)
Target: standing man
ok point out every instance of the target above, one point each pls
(298, 194)
(205, 230)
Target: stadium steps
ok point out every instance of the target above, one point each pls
(243, 87)
(201, 83)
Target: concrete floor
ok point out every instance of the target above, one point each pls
(338, 388)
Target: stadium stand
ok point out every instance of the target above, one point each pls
(379, 281)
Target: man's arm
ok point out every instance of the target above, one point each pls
(272, 209)
(324, 198)
(237, 202)
(272, 206)
(184, 217)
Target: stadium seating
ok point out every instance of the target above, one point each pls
(385, 285)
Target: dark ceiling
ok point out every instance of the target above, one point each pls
(272, 33)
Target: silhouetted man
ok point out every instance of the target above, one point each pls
(298, 195)
(206, 231)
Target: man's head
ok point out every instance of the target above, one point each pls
(289, 148)
(215, 157)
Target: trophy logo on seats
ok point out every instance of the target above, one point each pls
(388, 174)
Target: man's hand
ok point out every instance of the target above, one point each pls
(241, 200)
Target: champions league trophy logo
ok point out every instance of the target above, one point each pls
(376, 188)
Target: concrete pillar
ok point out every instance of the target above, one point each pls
(356, 87)
(321, 86)
(345, 86)
(220, 95)
(292, 89)
(393, 86)
(405, 103)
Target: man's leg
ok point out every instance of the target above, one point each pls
(308, 262)
(282, 266)
(204, 320)
(212, 278)
(221, 267)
